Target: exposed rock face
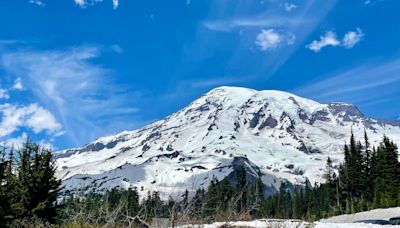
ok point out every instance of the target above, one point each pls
(347, 112)
(286, 137)
(269, 122)
(252, 174)
(347, 109)
(321, 115)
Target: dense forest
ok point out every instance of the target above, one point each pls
(368, 178)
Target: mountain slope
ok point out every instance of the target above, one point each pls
(287, 137)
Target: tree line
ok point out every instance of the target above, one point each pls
(368, 178)
(116, 206)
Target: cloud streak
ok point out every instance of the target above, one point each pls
(227, 25)
(362, 84)
(80, 93)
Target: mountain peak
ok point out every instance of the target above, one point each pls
(286, 136)
(349, 109)
(238, 96)
(242, 91)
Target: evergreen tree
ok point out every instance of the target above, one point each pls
(196, 208)
(37, 185)
(9, 187)
(225, 194)
(367, 170)
(387, 174)
(352, 176)
(28, 186)
(185, 201)
(241, 191)
(329, 171)
(284, 209)
(4, 201)
(299, 206)
(211, 203)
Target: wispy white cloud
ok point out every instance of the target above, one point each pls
(372, 2)
(81, 3)
(18, 84)
(351, 38)
(85, 3)
(360, 84)
(262, 20)
(81, 94)
(4, 94)
(299, 23)
(32, 117)
(37, 2)
(270, 39)
(115, 4)
(255, 21)
(17, 142)
(117, 49)
(328, 39)
(289, 6)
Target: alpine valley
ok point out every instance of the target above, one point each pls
(285, 138)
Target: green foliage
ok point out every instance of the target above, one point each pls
(212, 201)
(386, 174)
(242, 195)
(195, 208)
(28, 184)
(367, 179)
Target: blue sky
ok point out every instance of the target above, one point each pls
(74, 70)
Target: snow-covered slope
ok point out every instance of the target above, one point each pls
(287, 137)
(284, 223)
(376, 214)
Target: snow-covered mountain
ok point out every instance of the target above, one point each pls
(286, 137)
